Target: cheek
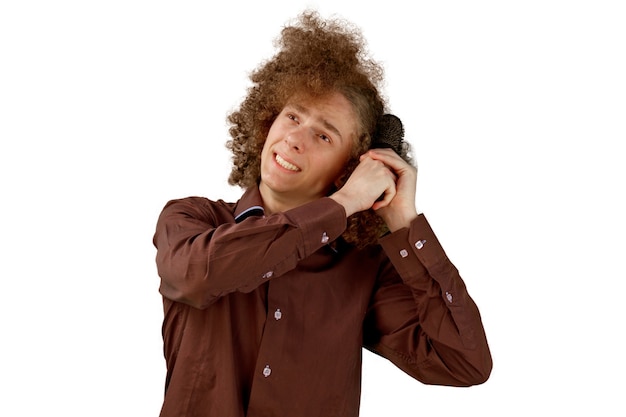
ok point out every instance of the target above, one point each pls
(264, 157)
(335, 170)
(266, 145)
(264, 148)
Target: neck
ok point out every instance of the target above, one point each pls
(274, 202)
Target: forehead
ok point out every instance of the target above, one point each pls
(333, 109)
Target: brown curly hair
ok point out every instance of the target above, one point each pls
(315, 57)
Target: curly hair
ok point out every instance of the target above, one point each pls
(314, 57)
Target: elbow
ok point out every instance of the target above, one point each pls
(467, 378)
(467, 370)
(480, 372)
(484, 372)
(480, 376)
(184, 288)
(478, 364)
(182, 294)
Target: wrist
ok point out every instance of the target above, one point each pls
(345, 202)
(397, 222)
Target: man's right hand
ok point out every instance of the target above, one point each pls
(371, 179)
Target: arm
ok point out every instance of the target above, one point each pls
(422, 317)
(201, 257)
(381, 172)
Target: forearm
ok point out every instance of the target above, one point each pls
(200, 260)
(447, 341)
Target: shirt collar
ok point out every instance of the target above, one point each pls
(250, 204)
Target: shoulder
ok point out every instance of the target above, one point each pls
(200, 208)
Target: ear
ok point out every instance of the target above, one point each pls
(341, 179)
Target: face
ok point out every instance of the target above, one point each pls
(306, 150)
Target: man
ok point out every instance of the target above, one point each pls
(268, 301)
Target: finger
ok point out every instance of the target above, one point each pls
(389, 158)
(390, 192)
(387, 197)
(364, 156)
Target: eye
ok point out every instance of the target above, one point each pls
(324, 138)
(292, 116)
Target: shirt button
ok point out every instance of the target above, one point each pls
(267, 371)
(268, 274)
(278, 314)
(449, 296)
(404, 253)
(420, 244)
(325, 238)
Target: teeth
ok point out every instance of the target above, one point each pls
(285, 164)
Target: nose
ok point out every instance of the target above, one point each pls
(297, 138)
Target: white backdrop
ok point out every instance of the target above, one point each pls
(516, 112)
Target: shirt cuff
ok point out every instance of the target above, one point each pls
(320, 221)
(417, 242)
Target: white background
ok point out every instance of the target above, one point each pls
(516, 112)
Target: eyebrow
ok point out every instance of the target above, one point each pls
(325, 122)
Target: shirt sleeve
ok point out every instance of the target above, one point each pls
(422, 317)
(200, 258)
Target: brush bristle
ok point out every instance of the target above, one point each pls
(389, 133)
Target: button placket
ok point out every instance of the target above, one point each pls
(274, 333)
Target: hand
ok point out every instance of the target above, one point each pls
(370, 180)
(401, 209)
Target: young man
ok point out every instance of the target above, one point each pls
(268, 301)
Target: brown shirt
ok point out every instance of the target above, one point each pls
(267, 315)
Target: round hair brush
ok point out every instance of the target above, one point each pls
(389, 133)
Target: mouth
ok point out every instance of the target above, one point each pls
(285, 164)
